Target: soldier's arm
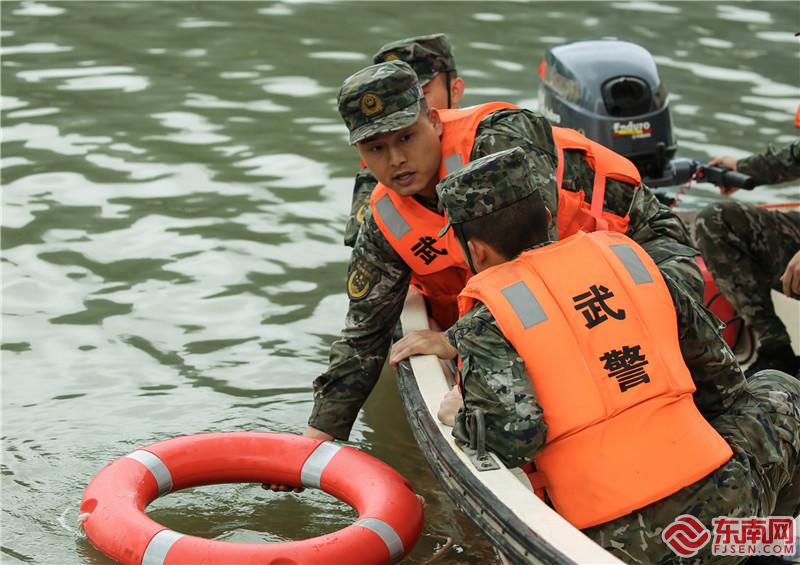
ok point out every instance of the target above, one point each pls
(650, 220)
(362, 190)
(377, 283)
(522, 128)
(494, 379)
(712, 364)
(773, 166)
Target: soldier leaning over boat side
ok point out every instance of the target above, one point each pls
(750, 250)
(409, 148)
(431, 57)
(595, 390)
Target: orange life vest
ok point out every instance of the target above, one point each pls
(439, 269)
(600, 345)
(574, 213)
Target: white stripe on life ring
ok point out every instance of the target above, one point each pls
(312, 469)
(159, 546)
(157, 468)
(393, 542)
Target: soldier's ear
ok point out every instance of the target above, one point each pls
(456, 91)
(479, 251)
(436, 122)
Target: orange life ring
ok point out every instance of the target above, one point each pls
(390, 514)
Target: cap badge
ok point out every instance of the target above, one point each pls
(371, 104)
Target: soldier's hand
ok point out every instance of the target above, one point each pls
(313, 433)
(423, 342)
(727, 162)
(451, 404)
(791, 277)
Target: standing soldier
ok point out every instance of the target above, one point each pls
(431, 57)
(603, 372)
(750, 250)
(409, 148)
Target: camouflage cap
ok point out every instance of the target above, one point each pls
(378, 99)
(428, 55)
(487, 185)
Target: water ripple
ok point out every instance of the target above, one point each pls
(197, 100)
(739, 14)
(642, 6)
(33, 48)
(36, 9)
(294, 86)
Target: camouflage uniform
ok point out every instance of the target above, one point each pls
(759, 418)
(771, 166)
(378, 278)
(747, 248)
(428, 55)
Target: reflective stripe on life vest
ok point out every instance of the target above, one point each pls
(524, 304)
(632, 263)
(600, 345)
(391, 217)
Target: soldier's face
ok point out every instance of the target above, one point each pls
(435, 91)
(407, 161)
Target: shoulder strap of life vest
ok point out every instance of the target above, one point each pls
(459, 128)
(604, 162)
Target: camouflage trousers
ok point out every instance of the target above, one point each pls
(761, 479)
(747, 249)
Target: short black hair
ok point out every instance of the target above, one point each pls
(513, 229)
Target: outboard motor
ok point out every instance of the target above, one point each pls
(611, 92)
